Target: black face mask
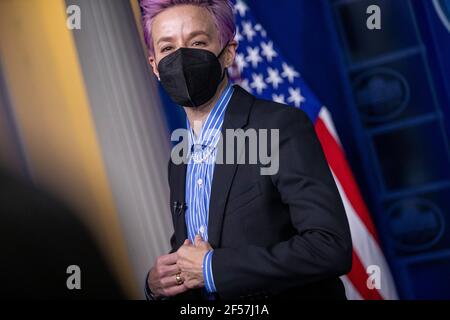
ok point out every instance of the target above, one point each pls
(191, 76)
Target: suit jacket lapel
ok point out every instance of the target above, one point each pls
(236, 116)
(178, 185)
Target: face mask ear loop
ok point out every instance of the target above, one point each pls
(218, 57)
(223, 49)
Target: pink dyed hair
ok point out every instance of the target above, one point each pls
(221, 11)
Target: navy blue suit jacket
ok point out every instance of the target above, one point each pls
(280, 236)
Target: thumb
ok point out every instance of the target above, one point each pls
(187, 242)
(198, 240)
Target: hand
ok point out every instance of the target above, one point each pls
(190, 261)
(161, 280)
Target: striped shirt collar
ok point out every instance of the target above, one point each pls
(210, 131)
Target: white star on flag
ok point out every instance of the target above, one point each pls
(258, 83)
(289, 72)
(274, 77)
(261, 30)
(238, 36)
(268, 51)
(295, 96)
(244, 84)
(241, 62)
(253, 56)
(278, 98)
(240, 7)
(248, 30)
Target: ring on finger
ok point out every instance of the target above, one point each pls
(178, 278)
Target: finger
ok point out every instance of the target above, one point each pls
(192, 283)
(207, 245)
(171, 270)
(173, 291)
(187, 242)
(168, 259)
(170, 281)
(203, 244)
(198, 240)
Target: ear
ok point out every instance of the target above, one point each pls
(152, 61)
(230, 53)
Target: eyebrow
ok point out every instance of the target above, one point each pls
(191, 35)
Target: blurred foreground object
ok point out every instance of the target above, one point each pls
(39, 239)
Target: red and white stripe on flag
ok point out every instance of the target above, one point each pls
(366, 247)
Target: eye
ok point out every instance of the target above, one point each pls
(198, 43)
(166, 49)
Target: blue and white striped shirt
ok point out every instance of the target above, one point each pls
(199, 178)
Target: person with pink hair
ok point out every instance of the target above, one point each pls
(239, 233)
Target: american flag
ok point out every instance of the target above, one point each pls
(261, 69)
